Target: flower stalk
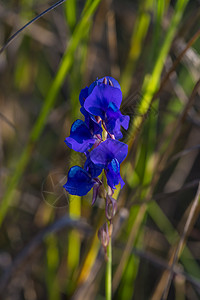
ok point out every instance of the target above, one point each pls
(108, 278)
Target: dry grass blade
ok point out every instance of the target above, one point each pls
(177, 61)
(7, 121)
(175, 253)
(160, 263)
(176, 131)
(184, 152)
(194, 212)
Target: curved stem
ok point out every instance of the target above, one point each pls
(108, 279)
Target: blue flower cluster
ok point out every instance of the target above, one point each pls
(98, 138)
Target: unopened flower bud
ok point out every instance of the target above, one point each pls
(96, 189)
(95, 192)
(103, 235)
(111, 207)
(102, 192)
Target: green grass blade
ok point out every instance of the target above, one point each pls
(70, 10)
(140, 30)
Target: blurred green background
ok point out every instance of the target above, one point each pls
(48, 239)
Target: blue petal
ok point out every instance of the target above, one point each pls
(112, 171)
(79, 182)
(83, 95)
(122, 121)
(80, 138)
(114, 166)
(98, 101)
(93, 169)
(91, 122)
(113, 174)
(114, 180)
(114, 121)
(108, 150)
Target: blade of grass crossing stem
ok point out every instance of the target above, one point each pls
(139, 33)
(171, 234)
(71, 13)
(49, 101)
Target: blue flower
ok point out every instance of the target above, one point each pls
(102, 95)
(88, 90)
(79, 181)
(105, 101)
(81, 137)
(93, 169)
(91, 121)
(114, 120)
(110, 154)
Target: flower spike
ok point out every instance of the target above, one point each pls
(100, 106)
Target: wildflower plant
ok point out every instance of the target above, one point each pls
(98, 137)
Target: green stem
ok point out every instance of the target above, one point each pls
(108, 280)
